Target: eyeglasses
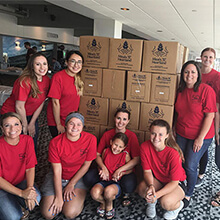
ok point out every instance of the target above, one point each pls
(73, 62)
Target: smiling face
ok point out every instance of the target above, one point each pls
(208, 58)
(40, 67)
(121, 121)
(74, 128)
(74, 64)
(11, 128)
(158, 136)
(190, 75)
(117, 146)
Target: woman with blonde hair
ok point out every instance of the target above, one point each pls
(29, 93)
(65, 91)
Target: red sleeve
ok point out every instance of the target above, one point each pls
(91, 154)
(209, 100)
(144, 158)
(55, 87)
(31, 155)
(53, 156)
(135, 147)
(22, 91)
(104, 142)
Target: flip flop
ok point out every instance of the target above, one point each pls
(215, 201)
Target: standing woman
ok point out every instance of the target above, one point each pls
(17, 170)
(29, 93)
(195, 107)
(128, 181)
(161, 159)
(65, 91)
(211, 77)
(70, 154)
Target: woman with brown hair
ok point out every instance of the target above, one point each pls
(65, 91)
(29, 93)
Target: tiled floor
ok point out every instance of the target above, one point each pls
(199, 207)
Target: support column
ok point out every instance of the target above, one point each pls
(107, 28)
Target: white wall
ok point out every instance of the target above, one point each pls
(8, 26)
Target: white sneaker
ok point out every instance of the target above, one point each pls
(151, 210)
(168, 215)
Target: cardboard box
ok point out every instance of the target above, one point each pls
(138, 86)
(113, 84)
(133, 107)
(92, 78)
(185, 54)
(147, 136)
(140, 136)
(94, 109)
(92, 129)
(163, 89)
(151, 112)
(103, 129)
(95, 51)
(180, 59)
(161, 57)
(125, 54)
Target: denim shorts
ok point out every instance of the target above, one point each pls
(47, 188)
(183, 186)
(104, 184)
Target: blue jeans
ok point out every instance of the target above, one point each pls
(10, 205)
(191, 160)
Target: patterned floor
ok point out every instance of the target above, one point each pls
(199, 208)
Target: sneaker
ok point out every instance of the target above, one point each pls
(199, 182)
(168, 215)
(151, 210)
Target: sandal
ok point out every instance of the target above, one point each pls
(126, 201)
(110, 214)
(25, 215)
(215, 201)
(100, 212)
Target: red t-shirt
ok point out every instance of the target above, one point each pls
(21, 93)
(63, 88)
(191, 107)
(133, 145)
(113, 161)
(15, 160)
(165, 165)
(72, 154)
(213, 79)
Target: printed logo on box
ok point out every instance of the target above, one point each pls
(125, 49)
(94, 46)
(140, 77)
(164, 78)
(93, 105)
(156, 113)
(91, 71)
(160, 51)
(124, 106)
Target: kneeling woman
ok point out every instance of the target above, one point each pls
(17, 170)
(161, 160)
(70, 154)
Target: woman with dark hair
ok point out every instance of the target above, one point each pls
(161, 159)
(18, 194)
(211, 77)
(70, 154)
(195, 109)
(128, 182)
(29, 93)
(65, 91)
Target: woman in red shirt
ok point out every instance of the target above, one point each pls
(65, 91)
(161, 159)
(29, 93)
(70, 154)
(195, 109)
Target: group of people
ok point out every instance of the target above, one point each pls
(169, 158)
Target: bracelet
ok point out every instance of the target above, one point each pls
(150, 185)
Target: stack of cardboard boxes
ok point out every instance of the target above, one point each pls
(125, 73)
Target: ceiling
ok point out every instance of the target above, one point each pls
(193, 23)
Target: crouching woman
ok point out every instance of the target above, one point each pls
(18, 195)
(70, 154)
(161, 160)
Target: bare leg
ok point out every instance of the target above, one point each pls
(110, 193)
(97, 194)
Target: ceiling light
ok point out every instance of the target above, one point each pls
(125, 9)
(172, 38)
(194, 10)
(159, 31)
